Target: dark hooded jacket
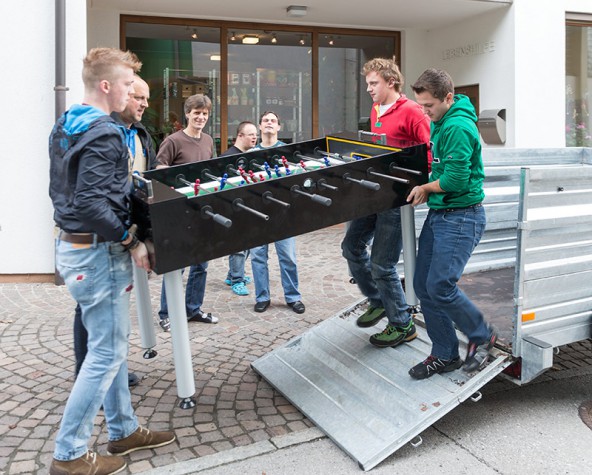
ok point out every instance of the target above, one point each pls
(89, 173)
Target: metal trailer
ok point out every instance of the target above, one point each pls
(532, 275)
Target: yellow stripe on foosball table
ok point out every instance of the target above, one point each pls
(357, 142)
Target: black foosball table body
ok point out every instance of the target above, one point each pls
(332, 180)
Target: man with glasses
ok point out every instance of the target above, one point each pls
(246, 138)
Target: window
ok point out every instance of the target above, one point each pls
(578, 84)
(273, 74)
(311, 78)
(344, 104)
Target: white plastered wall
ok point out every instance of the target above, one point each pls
(26, 213)
(523, 73)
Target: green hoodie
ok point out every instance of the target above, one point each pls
(457, 162)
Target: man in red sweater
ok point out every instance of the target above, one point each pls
(404, 124)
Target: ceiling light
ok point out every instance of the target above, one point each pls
(302, 40)
(331, 42)
(250, 40)
(194, 34)
(274, 39)
(215, 57)
(296, 10)
(233, 37)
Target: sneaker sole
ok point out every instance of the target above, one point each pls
(392, 344)
(152, 446)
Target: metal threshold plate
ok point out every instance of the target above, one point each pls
(361, 396)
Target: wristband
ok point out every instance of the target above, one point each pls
(135, 242)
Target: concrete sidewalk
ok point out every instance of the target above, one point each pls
(240, 424)
(534, 429)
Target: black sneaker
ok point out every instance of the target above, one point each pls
(432, 365)
(477, 354)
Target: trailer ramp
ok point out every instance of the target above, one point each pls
(361, 396)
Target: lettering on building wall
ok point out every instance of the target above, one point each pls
(471, 49)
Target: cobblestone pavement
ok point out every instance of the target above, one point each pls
(235, 407)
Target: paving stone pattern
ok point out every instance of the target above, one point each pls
(235, 407)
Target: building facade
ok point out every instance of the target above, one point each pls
(526, 61)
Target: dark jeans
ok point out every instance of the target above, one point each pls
(194, 293)
(446, 243)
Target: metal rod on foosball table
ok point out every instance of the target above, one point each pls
(393, 167)
(181, 179)
(267, 196)
(240, 204)
(299, 156)
(335, 156)
(371, 171)
(147, 335)
(173, 284)
(409, 252)
(322, 183)
(206, 173)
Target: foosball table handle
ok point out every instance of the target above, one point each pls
(323, 200)
(371, 185)
(207, 212)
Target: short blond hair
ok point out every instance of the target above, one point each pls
(387, 69)
(103, 64)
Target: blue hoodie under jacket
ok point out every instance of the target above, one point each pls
(88, 177)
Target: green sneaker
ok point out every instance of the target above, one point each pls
(370, 317)
(393, 336)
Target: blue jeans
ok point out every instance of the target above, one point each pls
(236, 267)
(286, 251)
(99, 277)
(446, 243)
(376, 273)
(194, 292)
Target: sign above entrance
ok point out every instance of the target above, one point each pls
(471, 49)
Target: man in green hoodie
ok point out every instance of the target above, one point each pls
(452, 229)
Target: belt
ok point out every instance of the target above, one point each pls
(450, 210)
(80, 238)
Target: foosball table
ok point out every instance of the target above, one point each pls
(200, 211)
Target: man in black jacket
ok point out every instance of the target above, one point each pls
(142, 157)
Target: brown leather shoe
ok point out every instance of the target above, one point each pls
(141, 439)
(89, 464)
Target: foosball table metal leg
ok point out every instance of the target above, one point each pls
(173, 283)
(409, 252)
(147, 335)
